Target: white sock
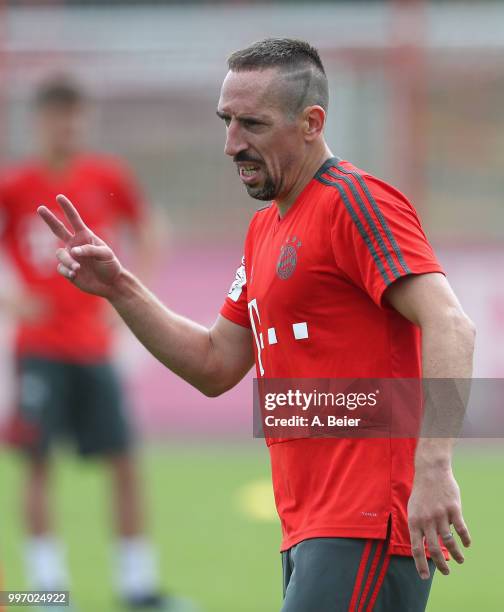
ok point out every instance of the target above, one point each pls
(137, 573)
(45, 563)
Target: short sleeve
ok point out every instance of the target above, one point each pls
(235, 307)
(377, 236)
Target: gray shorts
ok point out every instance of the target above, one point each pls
(351, 575)
(82, 403)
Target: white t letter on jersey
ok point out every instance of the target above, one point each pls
(252, 307)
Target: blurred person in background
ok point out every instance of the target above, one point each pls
(67, 384)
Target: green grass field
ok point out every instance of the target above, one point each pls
(211, 521)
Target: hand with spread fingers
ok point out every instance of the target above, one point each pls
(86, 260)
(435, 506)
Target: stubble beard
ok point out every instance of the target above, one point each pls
(267, 192)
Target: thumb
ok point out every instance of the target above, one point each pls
(102, 253)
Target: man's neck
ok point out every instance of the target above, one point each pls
(56, 161)
(305, 175)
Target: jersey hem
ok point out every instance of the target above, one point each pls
(371, 533)
(378, 532)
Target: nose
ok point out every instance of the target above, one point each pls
(235, 143)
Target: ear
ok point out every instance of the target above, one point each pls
(313, 122)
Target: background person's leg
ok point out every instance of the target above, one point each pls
(137, 570)
(36, 501)
(128, 503)
(45, 565)
(101, 429)
(42, 397)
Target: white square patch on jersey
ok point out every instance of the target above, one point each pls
(300, 331)
(272, 339)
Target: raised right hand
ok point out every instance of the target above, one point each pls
(85, 260)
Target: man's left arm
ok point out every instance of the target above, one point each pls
(428, 301)
(146, 227)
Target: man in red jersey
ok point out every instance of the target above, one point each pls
(67, 383)
(338, 281)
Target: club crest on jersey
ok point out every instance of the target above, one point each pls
(287, 260)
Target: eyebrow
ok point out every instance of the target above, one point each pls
(257, 119)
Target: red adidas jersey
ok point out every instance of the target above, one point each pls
(74, 325)
(310, 288)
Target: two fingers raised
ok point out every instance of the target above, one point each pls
(58, 227)
(68, 265)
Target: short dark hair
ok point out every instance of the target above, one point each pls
(297, 59)
(58, 91)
